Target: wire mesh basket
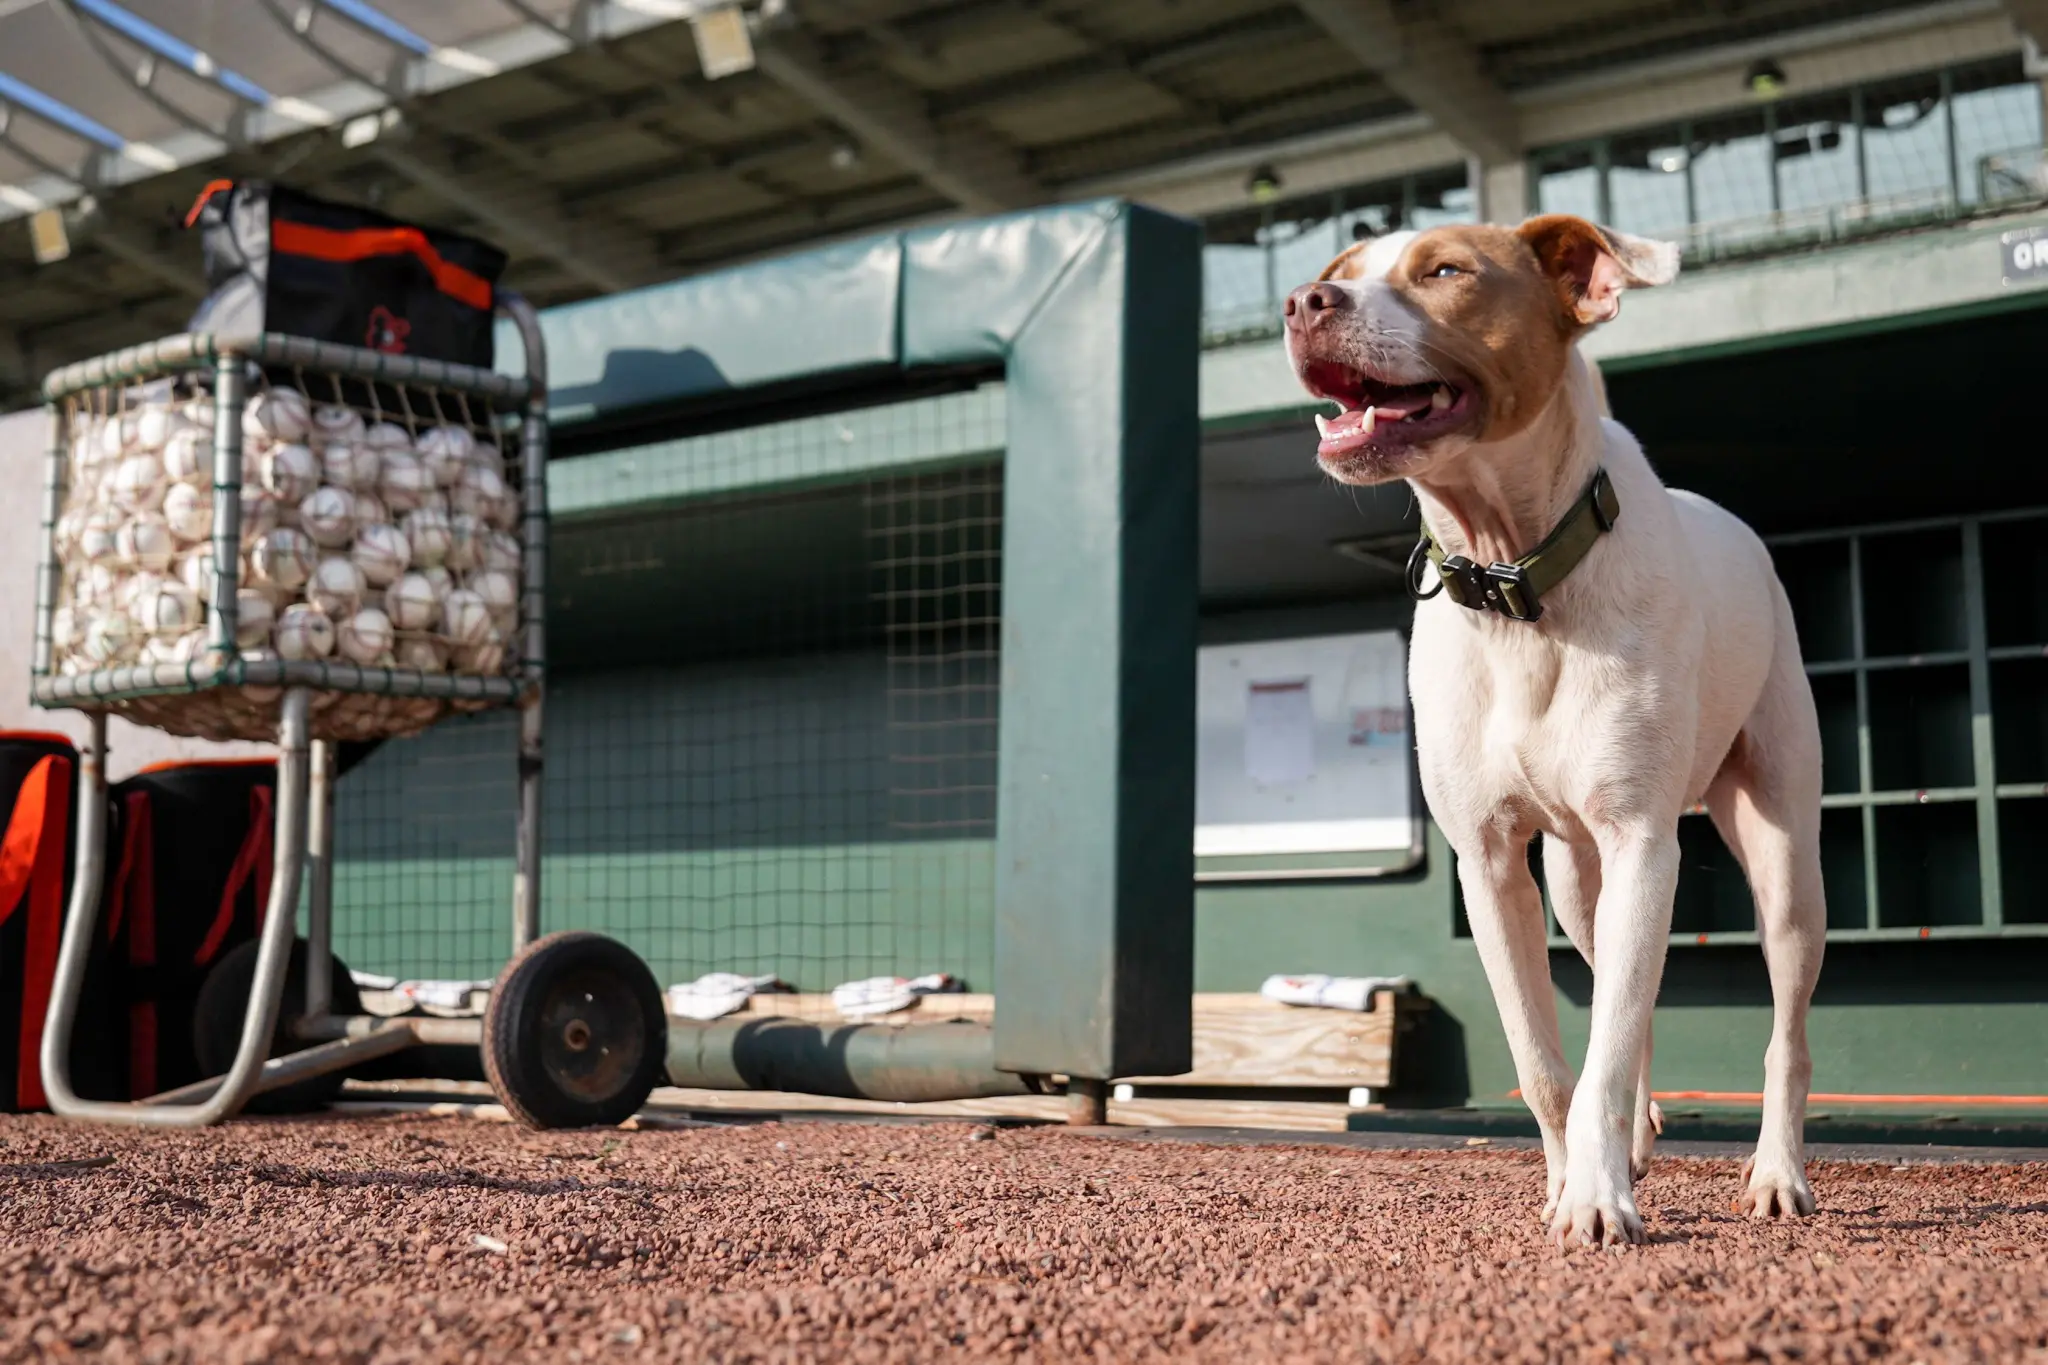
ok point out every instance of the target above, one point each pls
(225, 519)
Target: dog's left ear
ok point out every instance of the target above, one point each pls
(1591, 264)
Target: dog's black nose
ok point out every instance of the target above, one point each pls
(1312, 303)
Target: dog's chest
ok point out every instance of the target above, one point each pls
(1497, 728)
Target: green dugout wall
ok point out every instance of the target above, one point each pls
(850, 684)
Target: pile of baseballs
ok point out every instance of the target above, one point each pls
(363, 539)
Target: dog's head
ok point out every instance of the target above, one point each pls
(1433, 342)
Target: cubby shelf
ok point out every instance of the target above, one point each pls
(1927, 645)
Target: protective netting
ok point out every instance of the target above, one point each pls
(771, 729)
(377, 542)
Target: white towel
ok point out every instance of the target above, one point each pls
(1331, 992)
(370, 981)
(717, 994)
(444, 995)
(888, 994)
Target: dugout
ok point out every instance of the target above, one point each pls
(848, 549)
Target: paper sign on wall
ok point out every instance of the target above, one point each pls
(1303, 747)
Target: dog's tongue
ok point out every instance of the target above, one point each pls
(1402, 403)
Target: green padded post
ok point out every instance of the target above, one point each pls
(1094, 943)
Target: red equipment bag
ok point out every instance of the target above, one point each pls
(191, 865)
(37, 774)
(278, 260)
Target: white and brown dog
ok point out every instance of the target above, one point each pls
(1602, 654)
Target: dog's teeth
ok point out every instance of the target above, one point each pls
(1371, 418)
(1322, 425)
(1440, 398)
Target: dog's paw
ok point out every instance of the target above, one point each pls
(1596, 1221)
(1774, 1189)
(1552, 1196)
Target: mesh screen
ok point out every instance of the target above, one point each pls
(771, 737)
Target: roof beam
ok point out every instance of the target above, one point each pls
(2030, 17)
(1429, 64)
(968, 166)
(600, 254)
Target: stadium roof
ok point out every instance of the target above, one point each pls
(584, 137)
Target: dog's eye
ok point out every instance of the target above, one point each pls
(1445, 271)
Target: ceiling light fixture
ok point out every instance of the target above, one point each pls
(1765, 79)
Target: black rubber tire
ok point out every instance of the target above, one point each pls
(217, 1024)
(576, 1034)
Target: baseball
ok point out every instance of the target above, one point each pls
(139, 483)
(195, 571)
(483, 495)
(281, 559)
(337, 587)
(334, 423)
(412, 603)
(289, 471)
(154, 424)
(349, 464)
(329, 517)
(109, 636)
(498, 589)
(63, 630)
(499, 550)
(429, 534)
(403, 480)
(175, 649)
(366, 637)
(424, 654)
(371, 511)
(145, 543)
(486, 658)
(464, 533)
(440, 579)
(261, 512)
(382, 553)
(254, 617)
(99, 537)
(201, 413)
(167, 607)
(303, 633)
(188, 456)
(465, 618)
(279, 415)
(189, 512)
(70, 528)
(117, 436)
(386, 436)
(445, 450)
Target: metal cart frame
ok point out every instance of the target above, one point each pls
(304, 835)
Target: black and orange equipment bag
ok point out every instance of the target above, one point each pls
(278, 260)
(190, 876)
(37, 775)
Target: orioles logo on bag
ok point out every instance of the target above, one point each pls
(388, 331)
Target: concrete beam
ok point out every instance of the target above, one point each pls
(1429, 64)
(601, 254)
(968, 166)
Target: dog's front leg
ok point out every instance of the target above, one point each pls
(1506, 914)
(1631, 930)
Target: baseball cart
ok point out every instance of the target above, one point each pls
(276, 539)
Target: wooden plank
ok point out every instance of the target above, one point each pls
(670, 1102)
(1248, 1040)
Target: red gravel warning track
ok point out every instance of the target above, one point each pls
(448, 1240)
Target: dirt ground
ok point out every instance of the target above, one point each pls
(411, 1239)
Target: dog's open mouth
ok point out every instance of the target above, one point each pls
(1379, 413)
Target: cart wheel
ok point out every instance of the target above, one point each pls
(217, 1024)
(575, 1035)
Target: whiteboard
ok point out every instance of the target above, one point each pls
(1303, 748)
